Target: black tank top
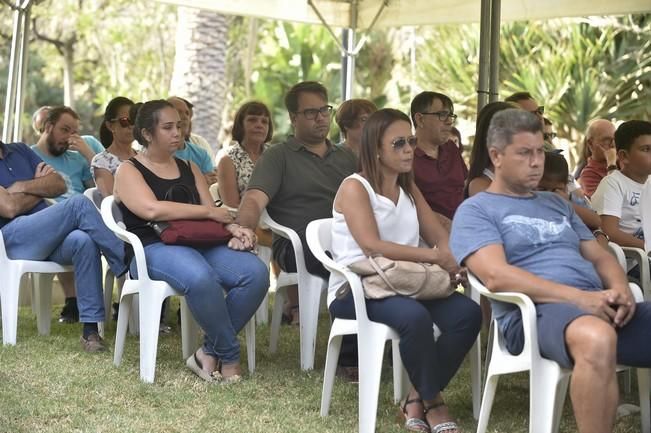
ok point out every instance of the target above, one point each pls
(181, 190)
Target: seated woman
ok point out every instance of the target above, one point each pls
(116, 134)
(156, 186)
(480, 173)
(351, 116)
(381, 211)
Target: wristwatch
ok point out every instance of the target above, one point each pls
(598, 232)
(611, 167)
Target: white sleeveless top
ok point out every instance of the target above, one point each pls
(396, 223)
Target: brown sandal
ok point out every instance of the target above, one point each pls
(414, 424)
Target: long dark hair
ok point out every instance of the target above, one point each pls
(111, 112)
(479, 159)
(372, 134)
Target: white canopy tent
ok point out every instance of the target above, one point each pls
(355, 16)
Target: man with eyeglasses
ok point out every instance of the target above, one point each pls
(600, 146)
(297, 180)
(527, 102)
(439, 170)
(190, 151)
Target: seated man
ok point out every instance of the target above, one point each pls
(600, 146)
(70, 232)
(61, 147)
(439, 170)
(617, 198)
(518, 240)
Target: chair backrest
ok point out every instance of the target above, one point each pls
(94, 194)
(112, 217)
(319, 240)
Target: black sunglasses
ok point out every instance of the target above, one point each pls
(124, 122)
(400, 142)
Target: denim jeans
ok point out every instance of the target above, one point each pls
(430, 363)
(203, 275)
(70, 232)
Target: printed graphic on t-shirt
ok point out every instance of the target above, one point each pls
(537, 230)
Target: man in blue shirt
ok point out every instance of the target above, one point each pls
(518, 240)
(70, 232)
(61, 147)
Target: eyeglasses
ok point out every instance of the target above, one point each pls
(400, 142)
(311, 113)
(549, 136)
(124, 122)
(540, 110)
(442, 115)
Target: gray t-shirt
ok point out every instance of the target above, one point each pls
(540, 234)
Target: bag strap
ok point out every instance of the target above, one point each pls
(380, 272)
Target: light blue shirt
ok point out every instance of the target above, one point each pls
(93, 143)
(72, 167)
(198, 155)
(540, 234)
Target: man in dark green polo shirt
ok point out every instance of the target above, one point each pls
(297, 180)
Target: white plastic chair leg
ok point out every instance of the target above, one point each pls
(309, 297)
(371, 352)
(126, 301)
(401, 382)
(475, 375)
(276, 317)
(487, 401)
(189, 331)
(332, 356)
(150, 309)
(9, 287)
(262, 314)
(250, 344)
(108, 294)
(559, 402)
(43, 292)
(544, 385)
(644, 388)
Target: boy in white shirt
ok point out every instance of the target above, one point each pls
(617, 199)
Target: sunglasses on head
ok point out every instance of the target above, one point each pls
(400, 142)
(124, 122)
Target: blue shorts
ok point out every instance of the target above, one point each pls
(552, 320)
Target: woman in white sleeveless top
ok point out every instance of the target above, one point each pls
(381, 211)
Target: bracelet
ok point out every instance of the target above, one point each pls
(611, 167)
(597, 232)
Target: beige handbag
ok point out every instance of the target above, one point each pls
(383, 277)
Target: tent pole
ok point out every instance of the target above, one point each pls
(12, 75)
(484, 38)
(348, 60)
(496, 12)
(22, 72)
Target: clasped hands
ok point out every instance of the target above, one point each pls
(616, 307)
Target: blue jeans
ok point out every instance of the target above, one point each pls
(430, 364)
(70, 232)
(203, 275)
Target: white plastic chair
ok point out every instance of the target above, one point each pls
(310, 288)
(371, 338)
(11, 272)
(640, 257)
(152, 293)
(548, 382)
(94, 195)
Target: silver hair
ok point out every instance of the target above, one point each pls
(507, 123)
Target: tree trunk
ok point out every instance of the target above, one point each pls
(200, 68)
(68, 49)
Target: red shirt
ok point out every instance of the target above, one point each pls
(441, 180)
(591, 175)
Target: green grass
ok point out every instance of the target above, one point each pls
(47, 384)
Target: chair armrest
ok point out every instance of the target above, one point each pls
(287, 233)
(107, 208)
(527, 309)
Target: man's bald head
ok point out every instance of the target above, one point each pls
(599, 137)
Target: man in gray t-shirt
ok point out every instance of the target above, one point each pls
(517, 240)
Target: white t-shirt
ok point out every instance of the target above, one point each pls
(396, 223)
(618, 195)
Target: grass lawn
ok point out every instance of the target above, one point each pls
(49, 385)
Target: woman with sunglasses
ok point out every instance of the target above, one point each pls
(381, 211)
(116, 134)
